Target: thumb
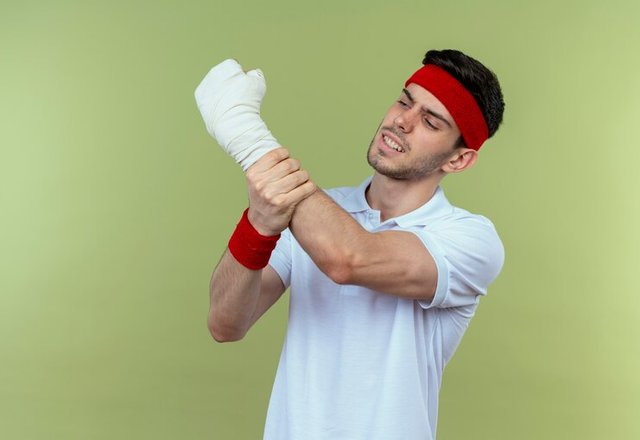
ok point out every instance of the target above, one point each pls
(256, 73)
(257, 78)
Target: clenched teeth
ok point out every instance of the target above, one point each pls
(392, 144)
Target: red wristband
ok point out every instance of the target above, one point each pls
(249, 247)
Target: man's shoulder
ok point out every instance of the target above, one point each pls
(457, 216)
(458, 224)
(440, 214)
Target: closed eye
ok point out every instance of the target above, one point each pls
(427, 111)
(430, 125)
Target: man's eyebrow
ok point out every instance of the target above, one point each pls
(427, 110)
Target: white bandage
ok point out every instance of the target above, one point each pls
(229, 101)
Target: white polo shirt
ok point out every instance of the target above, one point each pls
(359, 364)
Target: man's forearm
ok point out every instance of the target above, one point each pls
(328, 234)
(234, 295)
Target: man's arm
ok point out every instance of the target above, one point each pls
(394, 262)
(239, 295)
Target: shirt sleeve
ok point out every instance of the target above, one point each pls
(280, 259)
(468, 254)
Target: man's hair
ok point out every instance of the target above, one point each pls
(476, 78)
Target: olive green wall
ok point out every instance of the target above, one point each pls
(115, 206)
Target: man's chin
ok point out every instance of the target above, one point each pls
(388, 172)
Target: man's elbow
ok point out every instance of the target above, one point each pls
(222, 333)
(339, 268)
(339, 274)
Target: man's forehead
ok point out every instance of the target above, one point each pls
(424, 97)
(428, 101)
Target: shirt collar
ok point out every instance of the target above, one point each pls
(355, 201)
(437, 206)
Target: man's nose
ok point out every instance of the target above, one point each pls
(406, 120)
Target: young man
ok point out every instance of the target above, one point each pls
(384, 277)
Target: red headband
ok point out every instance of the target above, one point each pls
(459, 102)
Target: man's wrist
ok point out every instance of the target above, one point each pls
(249, 247)
(254, 219)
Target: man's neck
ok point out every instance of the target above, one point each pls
(394, 198)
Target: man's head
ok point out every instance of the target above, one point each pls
(481, 82)
(443, 115)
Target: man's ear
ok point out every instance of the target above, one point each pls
(462, 159)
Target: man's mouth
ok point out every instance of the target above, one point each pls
(392, 144)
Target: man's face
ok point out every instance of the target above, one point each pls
(416, 137)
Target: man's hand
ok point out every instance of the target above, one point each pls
(276, 185)
(229, 101)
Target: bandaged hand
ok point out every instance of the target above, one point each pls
(229, 101)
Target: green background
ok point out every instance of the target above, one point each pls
(115, 206)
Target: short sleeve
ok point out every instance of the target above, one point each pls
(468, 254)
(280, 259)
